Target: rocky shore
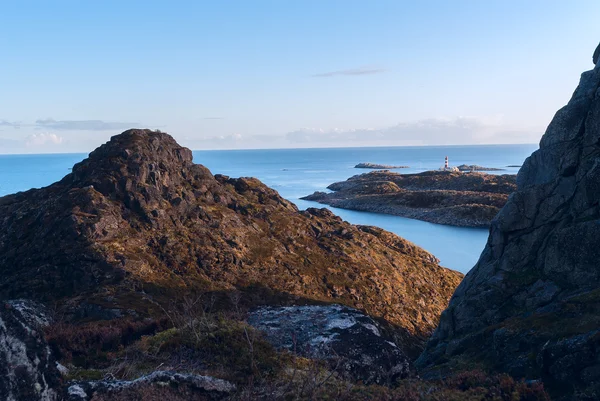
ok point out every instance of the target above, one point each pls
(442, 197)
(475, 167)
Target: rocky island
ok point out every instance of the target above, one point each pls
(442, 197)
(475, 167)
(378, 166)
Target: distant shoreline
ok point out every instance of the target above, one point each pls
(441, 197)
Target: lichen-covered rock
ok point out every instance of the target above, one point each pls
(354, 344)
(28, 371)
(157, 386)
(531, 305)
(138, 223)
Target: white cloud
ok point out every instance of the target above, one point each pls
(432, 131)
(34, 140)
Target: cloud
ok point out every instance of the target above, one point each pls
(213, 118)
(43, 139)
(350, 72)
(4, 123)
(432, 131)
(83, 125)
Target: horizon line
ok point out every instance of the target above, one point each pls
(296, 148)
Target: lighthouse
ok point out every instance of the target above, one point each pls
(446, 163)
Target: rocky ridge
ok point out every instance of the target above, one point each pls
(138, 223)
(531, 305)
(442, 197)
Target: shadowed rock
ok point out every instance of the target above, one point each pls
(531, 305)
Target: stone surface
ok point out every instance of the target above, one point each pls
(28, 372)
(354, 344)
(159, 385)
(531, 305)
(138, 223)
(442, 197)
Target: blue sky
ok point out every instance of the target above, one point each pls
(257, 74)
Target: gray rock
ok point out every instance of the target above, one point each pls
(531, 305)
(353, 343)
(28, 371)
(193, 387)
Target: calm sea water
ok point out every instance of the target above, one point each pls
(298, 172)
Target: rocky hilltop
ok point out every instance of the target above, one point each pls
(138, 221)
(442, 197)
(531, 305)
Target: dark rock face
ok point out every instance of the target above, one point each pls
(531, 305)
(28, 371)
(354, 344)
(442, 197)
(138, 221)
(159, 385)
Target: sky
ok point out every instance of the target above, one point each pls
(288, 73)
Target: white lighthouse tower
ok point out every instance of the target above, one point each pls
(446, 163)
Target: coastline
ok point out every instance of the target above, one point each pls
(448, 198)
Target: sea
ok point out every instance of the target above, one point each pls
(295, 173)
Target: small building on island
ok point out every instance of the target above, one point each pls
(447, 166)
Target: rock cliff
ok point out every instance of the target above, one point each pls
(531, 305)
(138, 223)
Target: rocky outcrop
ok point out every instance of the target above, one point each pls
(159, 385)
(28, 371)
(442, 197)
(378, 166)
(137, 224)
(475, 167)
(531, 305)
(354, 344)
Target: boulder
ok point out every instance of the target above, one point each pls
(354, 344)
